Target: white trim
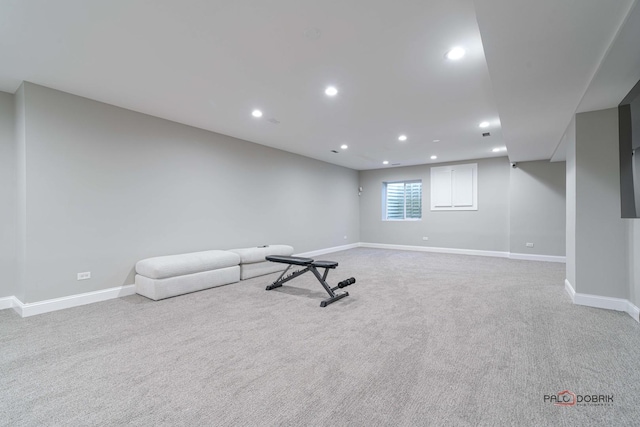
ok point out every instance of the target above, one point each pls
(633, 311)
(536, 257)
(476, 252)
(8, 302)
(329, 250)
(569, 289)
(598, 301)
(46, 306)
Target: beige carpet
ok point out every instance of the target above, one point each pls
(424, 339)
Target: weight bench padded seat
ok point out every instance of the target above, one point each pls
(167, 276)
(253, 263)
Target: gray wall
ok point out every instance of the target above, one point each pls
(21, 194)
(570, 136)
(484, 229)
(537, 208)
(601, 236)
(634, 261)
(106, 187)
(7, 196)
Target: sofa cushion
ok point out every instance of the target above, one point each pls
(258, 254)
(177, 265)
(158, 289)
(247, 271)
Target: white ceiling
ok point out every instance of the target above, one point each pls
(210, 63)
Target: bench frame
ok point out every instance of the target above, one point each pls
(312, 266)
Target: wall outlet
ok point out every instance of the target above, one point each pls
(529, 245)
(84, 276)
(425, 238)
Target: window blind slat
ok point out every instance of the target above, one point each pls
(403, 200)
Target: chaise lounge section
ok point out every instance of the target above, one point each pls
(253, 261)
(167, 276)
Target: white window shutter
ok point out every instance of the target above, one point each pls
(441, 188)
(462, 187)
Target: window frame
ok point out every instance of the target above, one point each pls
(404, 205)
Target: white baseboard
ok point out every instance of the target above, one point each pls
(8, 302)
(598, 301)
(536, 257)
(633, 311)
(47, 306)
(569, 289)
(311, 254)
(436, 250)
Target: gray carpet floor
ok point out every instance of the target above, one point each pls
(424, 340)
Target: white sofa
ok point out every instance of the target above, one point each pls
(168, 276)
(253, 263)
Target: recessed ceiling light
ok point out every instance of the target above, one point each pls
(498, 149)
(313, 33)
(402, 138)
(386, 162)
(434, 157)
(436, 140)
(455, 53)
(344, 146)
(256, 113)
(331, 91)
(484, 124)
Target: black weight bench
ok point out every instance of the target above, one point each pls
(312, 266)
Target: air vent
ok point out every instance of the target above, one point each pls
(486, 134)
(334, 151)
(396, 164)
(274, 121)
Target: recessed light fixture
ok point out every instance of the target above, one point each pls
(436, 140)
(402, 138)
(344, 146)
(484, 124)
(455, 53)
(312, 33)
(331, 91)
(386, 162)
(498, 149)
(434, 157)
(256, 113)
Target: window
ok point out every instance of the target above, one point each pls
(402, 200)
(454, 188)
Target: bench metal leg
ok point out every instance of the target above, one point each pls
(333, 296)
(292, 276)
